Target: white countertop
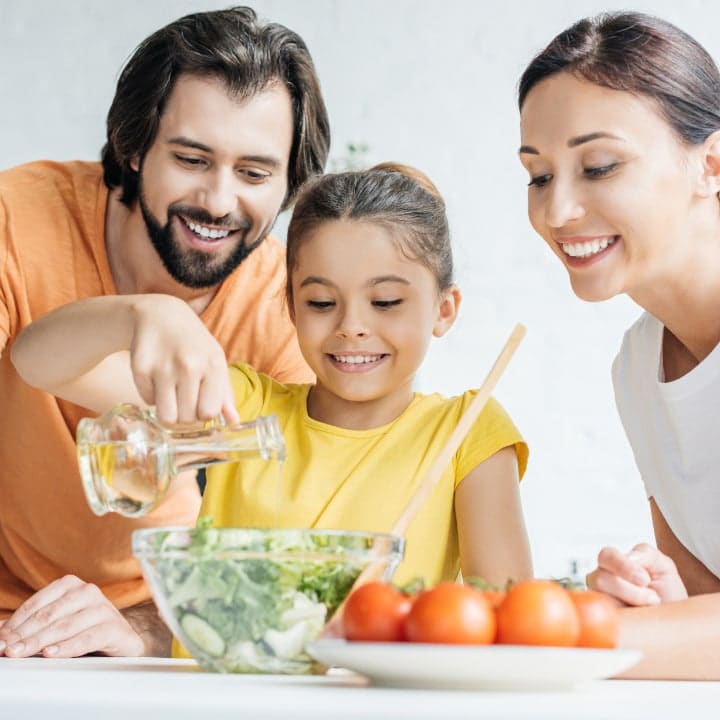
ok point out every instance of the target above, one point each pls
(155, 689)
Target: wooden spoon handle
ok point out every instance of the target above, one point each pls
(470, 415)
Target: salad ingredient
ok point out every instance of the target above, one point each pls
(599, 619)
(537, 612)
(451, 613)
(376, 612)
(249, 601)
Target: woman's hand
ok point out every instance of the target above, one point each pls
(644, 576)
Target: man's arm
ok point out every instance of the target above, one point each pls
(146, 622)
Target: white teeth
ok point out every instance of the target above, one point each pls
(588, 248)
(208, 232)
(355, 359)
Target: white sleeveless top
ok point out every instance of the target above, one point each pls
(674, 431)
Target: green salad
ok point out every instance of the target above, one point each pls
(249, 601)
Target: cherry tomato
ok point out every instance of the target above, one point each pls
(451, 613)
(494, 597)
(538, 612)
(376, 612)
(599, 619)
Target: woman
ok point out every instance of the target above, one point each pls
(620, 125)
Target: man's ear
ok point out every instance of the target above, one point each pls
(709, 181)
(447, 311)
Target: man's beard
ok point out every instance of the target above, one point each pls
(189, 267)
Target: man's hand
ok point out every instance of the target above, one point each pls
(644, 576)
(68, 618)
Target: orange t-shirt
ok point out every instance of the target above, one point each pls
(52, 252)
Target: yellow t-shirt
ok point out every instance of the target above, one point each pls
(357, 479)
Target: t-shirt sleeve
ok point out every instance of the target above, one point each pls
(492, 431)
(248, 389)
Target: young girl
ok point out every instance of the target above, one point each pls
(369, 284)
(620, 123)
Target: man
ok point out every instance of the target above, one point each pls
(216, 122)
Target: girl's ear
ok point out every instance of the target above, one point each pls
(448, 310)
(709, 181)
(135, 164)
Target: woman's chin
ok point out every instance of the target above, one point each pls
(590, 291)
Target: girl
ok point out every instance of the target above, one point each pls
(620, 125)
(369, 284)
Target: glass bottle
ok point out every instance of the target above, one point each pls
(127, 458)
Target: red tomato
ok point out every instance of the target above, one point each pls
(599, 619)
(376, 612)
(451, 613)
(538, 612)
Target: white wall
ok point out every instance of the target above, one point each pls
(431, 84)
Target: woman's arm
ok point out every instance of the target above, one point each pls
(696, 577)
(491, 528)
(128, 348)
(679, 640)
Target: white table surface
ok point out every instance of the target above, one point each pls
(155, 689)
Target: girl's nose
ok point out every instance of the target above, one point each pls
(351, 325)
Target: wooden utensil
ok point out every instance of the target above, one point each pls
(421, 494)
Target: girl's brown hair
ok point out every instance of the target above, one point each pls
(398, 197)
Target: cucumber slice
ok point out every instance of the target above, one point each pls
(204, 635)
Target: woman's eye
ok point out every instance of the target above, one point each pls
(600, 170)
(540, 180)
(320, 304)
(385, 304)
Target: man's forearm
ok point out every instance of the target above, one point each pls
(146, 622)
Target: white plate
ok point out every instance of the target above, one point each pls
(477, 667)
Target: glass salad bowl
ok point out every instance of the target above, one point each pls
(249, 599)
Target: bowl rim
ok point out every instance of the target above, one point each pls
(392, 544)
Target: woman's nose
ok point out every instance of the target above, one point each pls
(564, 204)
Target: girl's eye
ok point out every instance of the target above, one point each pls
(320, 304)
(385, 304)
(600, 171)
(540, 180)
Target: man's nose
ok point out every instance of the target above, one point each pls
(220, 194)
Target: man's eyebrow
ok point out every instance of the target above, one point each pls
(572, 142)
(266, 160)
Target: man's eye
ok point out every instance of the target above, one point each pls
(186, 160)
(255, 176)
(385, 304)
(540, 180)
(600, 171)
(320, 304)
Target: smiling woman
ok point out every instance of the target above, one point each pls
(620, 125)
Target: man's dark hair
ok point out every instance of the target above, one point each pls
(247, 55)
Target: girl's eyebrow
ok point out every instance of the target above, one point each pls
(388, 278)
(317, 280)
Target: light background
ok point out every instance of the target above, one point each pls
(430, 84)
